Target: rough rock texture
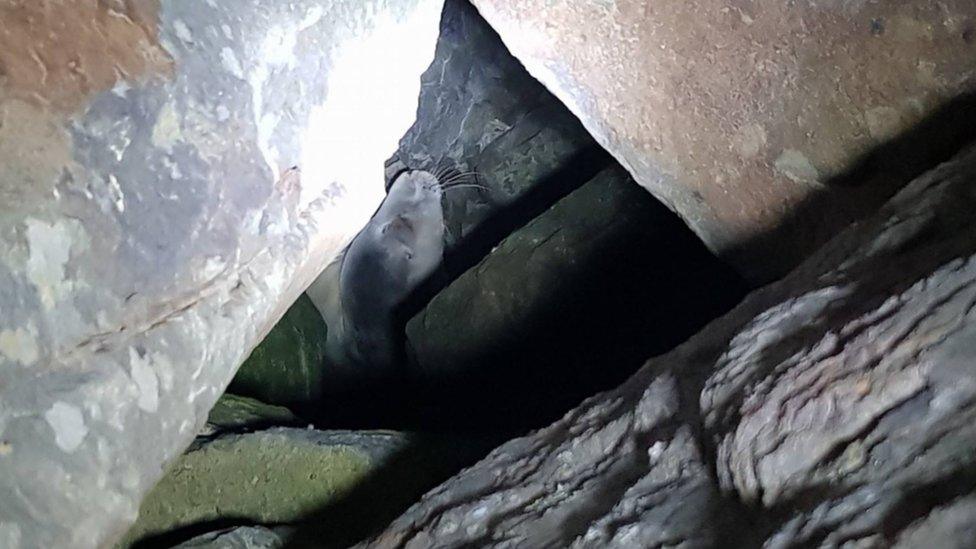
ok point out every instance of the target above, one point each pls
(151, 229)
(268, 477)
(754, 120)
(836, 407)
(288, 367)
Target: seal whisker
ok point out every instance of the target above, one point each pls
(465, 185)
(459, 177)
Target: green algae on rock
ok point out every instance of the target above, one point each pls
(237, 413)
(287, 367)
(277, 476)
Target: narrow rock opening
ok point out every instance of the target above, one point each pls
(559, 277)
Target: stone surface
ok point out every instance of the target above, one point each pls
(268, 477)
(767, 126)
(569, 304)
(245, 537)
(152, 229)
(288, 367)
(232, 413)
(834, 407)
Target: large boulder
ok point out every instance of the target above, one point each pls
(835, 407)
(152, 227)
(754, 120)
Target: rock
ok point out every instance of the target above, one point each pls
(550, 315)
(832, 408)
(766, 128)
(237, 413)
(245, 537)
(333, 487)
(151, 229)
(288, 366)
(269, 477)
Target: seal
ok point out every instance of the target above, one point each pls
(400, 246)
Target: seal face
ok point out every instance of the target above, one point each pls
(400, 246)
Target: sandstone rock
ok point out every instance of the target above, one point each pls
(288, 366)
(834, 407)
(151, 229)
(754, 121)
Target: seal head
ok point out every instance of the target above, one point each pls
(398, 249)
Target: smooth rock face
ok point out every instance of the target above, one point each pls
(151, 229)
(753, 121)
(835, 407)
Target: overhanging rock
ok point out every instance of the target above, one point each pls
(152, 224)
(747, 117)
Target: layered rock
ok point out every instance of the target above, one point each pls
(152, 228)
(834, 407)
(766, 126)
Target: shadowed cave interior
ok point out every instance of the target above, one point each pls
(533, 309)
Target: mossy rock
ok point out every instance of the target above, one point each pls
(287, 368)
(278, 476)
(236, 413)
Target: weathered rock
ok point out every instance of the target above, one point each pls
(269, 477)
(288, 366)
(232, 413)
(835, 407)
(151, 231)
(746, 118)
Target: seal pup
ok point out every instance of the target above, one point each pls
(399, 248)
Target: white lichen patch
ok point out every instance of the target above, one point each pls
(115, 191)
(19, 345)
(182, 31)
(228, 60)
(50, 247)
(797, 167)
(143, 375)
(750, 140)
(166, 132)
(68, 424)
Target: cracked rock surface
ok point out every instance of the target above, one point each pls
(832, 408)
